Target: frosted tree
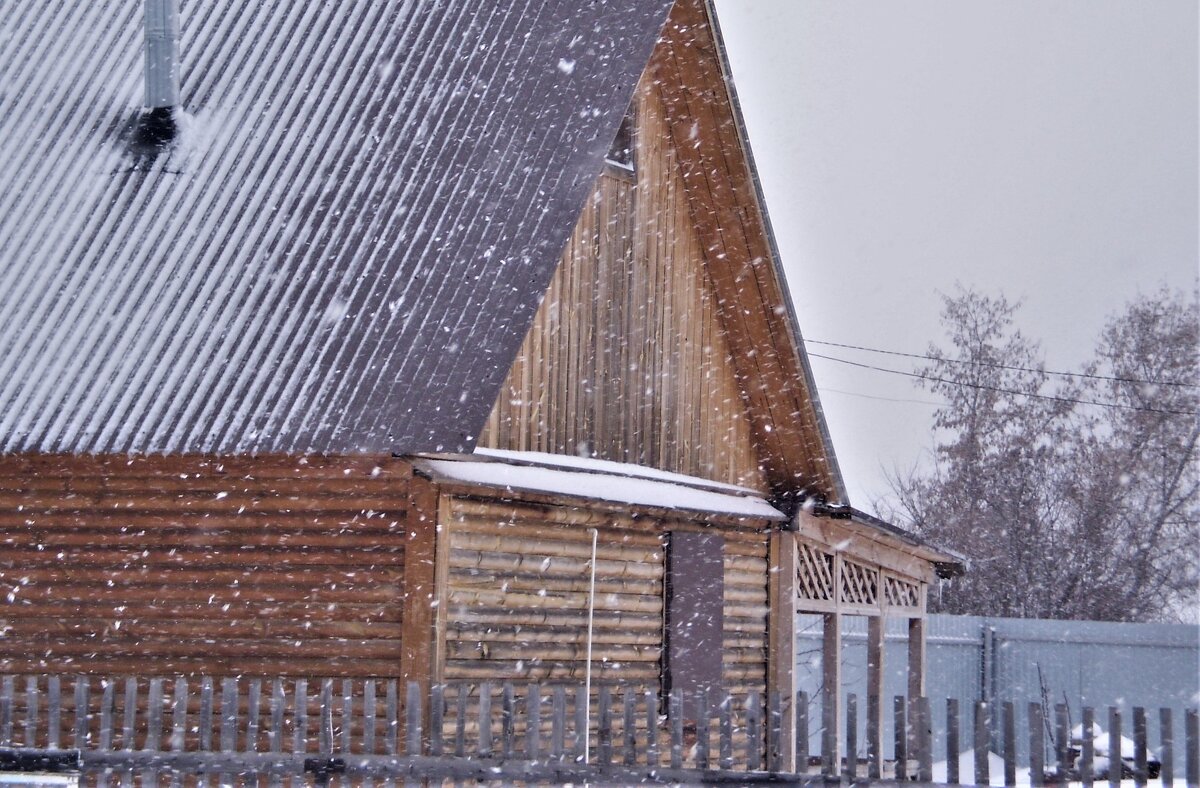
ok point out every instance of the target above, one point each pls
(1065, 508)
(1136, 483)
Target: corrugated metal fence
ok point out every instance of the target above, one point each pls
(1079, 663)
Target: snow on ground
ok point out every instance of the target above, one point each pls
(966, 770)
(966, 773)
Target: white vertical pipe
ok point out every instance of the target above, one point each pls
(162, 53)
(587, 680)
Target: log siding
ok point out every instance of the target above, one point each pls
(517, 587)
(744, 651)
(518, 590)
(190, 565)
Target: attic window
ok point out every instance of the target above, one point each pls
(621, 154)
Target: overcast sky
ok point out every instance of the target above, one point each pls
(1043, 148)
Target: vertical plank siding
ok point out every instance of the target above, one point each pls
(627, 359)
(187, 565)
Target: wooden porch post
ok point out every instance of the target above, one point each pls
(875, 704)
(831, 666)
(916, 657)
(831, 710)
(781, 634)
(916, 676)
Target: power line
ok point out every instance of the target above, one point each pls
(1005, 366)
(1004, 390)
(824, 390)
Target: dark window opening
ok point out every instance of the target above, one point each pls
(621, 154)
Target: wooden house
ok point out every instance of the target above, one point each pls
(386, 360)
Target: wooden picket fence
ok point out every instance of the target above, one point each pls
(358, 731)
(1071, 759)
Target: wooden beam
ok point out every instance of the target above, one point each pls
(831, 692)
(441, 582)
(865, 545)
(781, 635)
(875, 704)
(729, 220)
(916, 657)
(916, 678)
(831, 668)
(420, 595)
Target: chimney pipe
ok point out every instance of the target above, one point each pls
(162, 54)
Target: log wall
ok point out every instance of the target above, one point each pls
(627, 359)
(516, 590)
(275, 566)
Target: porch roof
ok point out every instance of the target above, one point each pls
(585, 478)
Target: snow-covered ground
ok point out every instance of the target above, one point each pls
(966, 763)
(966, 772)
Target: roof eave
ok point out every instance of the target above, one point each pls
(796, 339)
(946, 563)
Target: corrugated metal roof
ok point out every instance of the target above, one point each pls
(343, 250)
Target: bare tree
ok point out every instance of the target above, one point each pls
(1065, 508)
(1136, 483)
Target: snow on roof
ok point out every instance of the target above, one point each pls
(344, 248)
(593, 465)
(606, 481)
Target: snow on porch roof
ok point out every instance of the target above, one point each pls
(593, 465)
(613, 482)
(343, 249)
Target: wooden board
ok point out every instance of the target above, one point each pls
(747, 278)
(866, 544)
(628, 359)
(159, 565)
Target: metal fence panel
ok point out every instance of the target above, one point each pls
(971, 658)
(1097, 664)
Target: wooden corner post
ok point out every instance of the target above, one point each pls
(781, 638)
(421, 602)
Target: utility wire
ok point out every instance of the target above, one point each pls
(881, 399)
(1004, 366)
(1004, 390)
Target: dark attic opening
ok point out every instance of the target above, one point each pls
(621, 153)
